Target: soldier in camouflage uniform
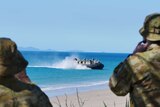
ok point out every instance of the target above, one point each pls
(139, 73)
(13, 92)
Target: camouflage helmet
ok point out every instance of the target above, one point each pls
(11, 60)
(151, 27)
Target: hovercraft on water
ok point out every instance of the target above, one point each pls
(90, 63)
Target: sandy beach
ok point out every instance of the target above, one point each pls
(90, 99)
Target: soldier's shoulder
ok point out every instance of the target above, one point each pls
(33, 86)
(133, 58)
(143, 57)
(42, 97)
(136, 60)
(3, 89)
(150, 55)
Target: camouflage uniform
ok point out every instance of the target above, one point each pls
(14, 93)
(139, 74)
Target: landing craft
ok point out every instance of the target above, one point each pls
(93, 64)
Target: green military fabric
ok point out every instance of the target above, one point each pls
(7, 48)
(11, 60)
(151, 27)
(14, 93)
(139, 75)
(13, 65)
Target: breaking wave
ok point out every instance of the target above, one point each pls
(98, 83)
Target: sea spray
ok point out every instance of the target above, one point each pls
(68, 63)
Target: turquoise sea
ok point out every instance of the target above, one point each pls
(57, 74)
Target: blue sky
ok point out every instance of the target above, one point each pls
(69, 25)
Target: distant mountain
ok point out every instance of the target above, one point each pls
(28, 49)
(37, 49)
(32, 49)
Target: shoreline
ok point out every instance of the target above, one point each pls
(69, 90)
(93, 98)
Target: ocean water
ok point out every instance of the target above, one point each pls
(57, 74)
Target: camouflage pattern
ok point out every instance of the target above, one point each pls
(139, 75)
(151, 28)
(13, 92)
(11, 60)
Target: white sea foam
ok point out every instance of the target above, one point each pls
(66, 63)
(53, 88)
